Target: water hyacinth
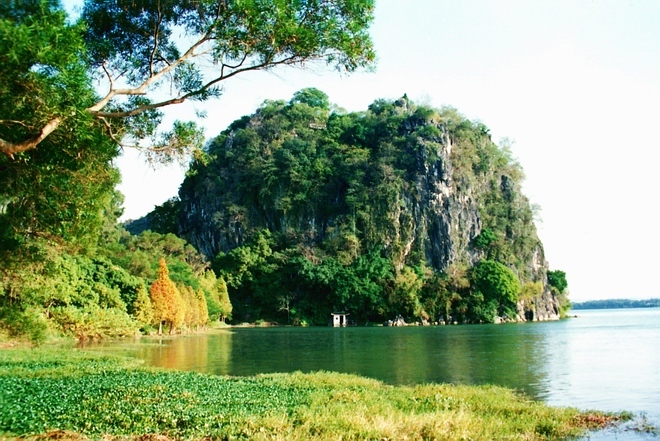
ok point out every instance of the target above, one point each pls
(46, 391)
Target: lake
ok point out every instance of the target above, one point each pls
(602, 359)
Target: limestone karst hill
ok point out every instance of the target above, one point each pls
(400, 209)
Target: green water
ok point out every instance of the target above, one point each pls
(411, 355)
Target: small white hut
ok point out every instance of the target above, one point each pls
(338, 319)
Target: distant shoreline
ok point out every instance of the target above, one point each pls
(617, 304)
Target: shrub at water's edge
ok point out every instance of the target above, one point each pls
(84, 395)
(51, 291)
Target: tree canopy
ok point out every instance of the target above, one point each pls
(152, 54)
(557, 280)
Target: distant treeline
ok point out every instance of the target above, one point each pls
(617, 303)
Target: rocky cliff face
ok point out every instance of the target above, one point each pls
(420, 185)
(428, 214)
(444, 220)
(544, 306)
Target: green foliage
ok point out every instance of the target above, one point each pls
(22, 321)
(530, 290)
(142, 308)
(51, 277)
(137, 42)
(93, 322)
(202, 308)
(485, 239)
(83, 394)
(312, 97)
(45, 289)
(59, 191)
(121, 35)
(405, 297)
(43, 69)
(239, 265)
(164, 218)
(267, 276)
(481, 309)
(443, 294)
(498, 284)
(192, 316)
(140, 254)
(55, 201)
(224, 307)
(558, 286)
(557, 280)
(134, 49)
(208, 282)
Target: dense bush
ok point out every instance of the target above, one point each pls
(49, 289)
(557, 280)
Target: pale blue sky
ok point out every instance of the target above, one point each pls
(575, 83)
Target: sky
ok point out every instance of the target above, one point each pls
(574, 84)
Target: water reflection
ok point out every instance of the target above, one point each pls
(208, 353)
(510, 355)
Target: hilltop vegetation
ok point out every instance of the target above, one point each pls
(398, 210)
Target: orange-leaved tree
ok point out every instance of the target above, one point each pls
(169, 307)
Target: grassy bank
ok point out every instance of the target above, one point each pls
(80, 395)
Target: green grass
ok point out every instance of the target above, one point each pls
(74, 394)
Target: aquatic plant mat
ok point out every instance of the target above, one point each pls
(69, 394)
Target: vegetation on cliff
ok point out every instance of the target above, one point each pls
(401, 209)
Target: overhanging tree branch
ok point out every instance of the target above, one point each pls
(235, 71)
(143, 88)
(137, 42)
